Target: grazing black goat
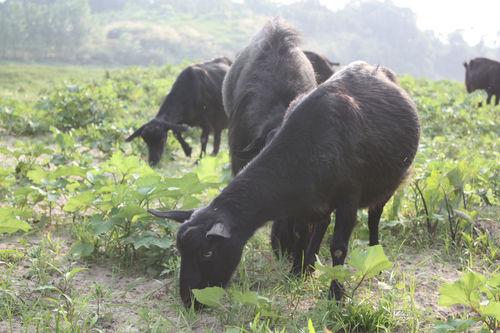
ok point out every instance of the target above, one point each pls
(346, 145)
(483, 74)
(194, 100)
(264, 79)
(323, 67)
(302, 241)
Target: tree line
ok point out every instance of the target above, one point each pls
(143, 32)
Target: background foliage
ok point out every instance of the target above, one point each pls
(144, 32)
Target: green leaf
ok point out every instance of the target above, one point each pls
(210, 296)
(9, 220)
(310, 326)
(82, 249)
(494, 281)
(37, 175)
(71, 274)
(491, 310)
(72, 170)
(371, 262)
(339, 272)
(464, 291)
(453, 325)
(149, 239)
(79, 202)
(101, 227)
(11, 255)
(376, 261)
(245, 298)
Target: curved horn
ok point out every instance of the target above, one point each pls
(174, 127)
(175, 215)
(135, 134)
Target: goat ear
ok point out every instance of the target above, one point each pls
(219, 229)
(135, 134)
(465, 64)
(176, 215)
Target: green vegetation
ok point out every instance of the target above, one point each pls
(79, 252)
(147, 32)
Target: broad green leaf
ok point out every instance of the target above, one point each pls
(71, 170)
(210, 296)
(37, 175)
(491, 310)
(357, 259)
(10, 222)
(371, 262)
(99, 226)
(190, 201)
(494, 281)
(464, 291)
(376, 261)
(13, 225)
(339, 272)
(82, 249)
(149, 239)
(455, 177)
(245, 298)
(453, 325)
(79, 202)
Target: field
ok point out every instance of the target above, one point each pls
(79, 252)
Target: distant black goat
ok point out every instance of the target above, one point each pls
(483, 74)
(323, 67)
(195, 100)
(346, 145)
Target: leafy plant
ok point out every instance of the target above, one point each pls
(479, 294)
(364, 265)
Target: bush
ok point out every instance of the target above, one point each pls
(18, 118)
(74, 106)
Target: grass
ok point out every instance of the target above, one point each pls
(25, 81)
(45, 288)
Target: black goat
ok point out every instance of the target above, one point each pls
(195, 100)
(267, 75)
(346, 145)
(323, 67)
(291, 237)
(484, 74)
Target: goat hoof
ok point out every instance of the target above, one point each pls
(336, 291)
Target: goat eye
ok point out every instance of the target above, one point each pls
(207, 254)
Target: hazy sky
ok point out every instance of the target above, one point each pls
(477, 18)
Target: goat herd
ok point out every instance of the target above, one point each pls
(299, 151)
